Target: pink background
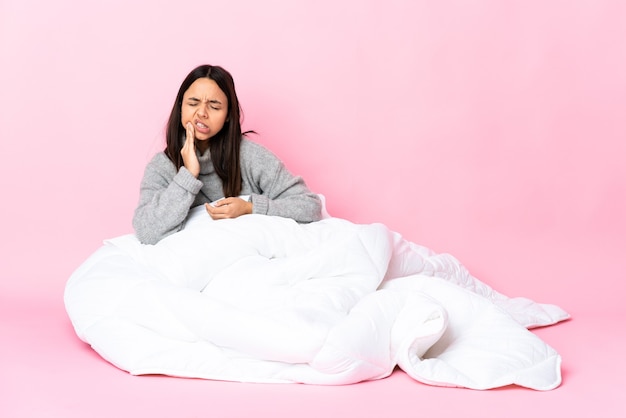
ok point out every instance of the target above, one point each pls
(493, 130)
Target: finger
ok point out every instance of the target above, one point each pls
(214, 210)
(190, 134)
(223, 202)
(210, 209)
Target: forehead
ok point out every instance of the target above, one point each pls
(205, 89)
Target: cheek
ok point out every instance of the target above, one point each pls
(223, 118)
(184, 115)
(217, 121)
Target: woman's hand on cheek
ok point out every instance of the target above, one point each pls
(231, 207)
(188, 152)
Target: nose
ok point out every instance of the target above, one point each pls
(203, 111)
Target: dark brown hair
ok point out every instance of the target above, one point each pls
(225, 145)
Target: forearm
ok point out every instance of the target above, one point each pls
(274, 190)
(163, 207)
(296, 202)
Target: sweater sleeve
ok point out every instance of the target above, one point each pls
(164, 200)
(278, 191)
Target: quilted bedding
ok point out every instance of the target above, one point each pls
(264, 299)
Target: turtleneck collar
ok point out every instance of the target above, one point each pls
(206, 165)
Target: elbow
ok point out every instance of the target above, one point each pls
(145, 237)
(315, 210)
(147, 240)
(144, 233)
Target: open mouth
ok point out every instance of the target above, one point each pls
(201, 127)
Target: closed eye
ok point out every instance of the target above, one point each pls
(215, 104)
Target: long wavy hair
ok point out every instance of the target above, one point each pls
(225, 145)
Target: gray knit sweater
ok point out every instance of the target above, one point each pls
(166, 195)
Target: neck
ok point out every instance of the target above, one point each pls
(202, 146)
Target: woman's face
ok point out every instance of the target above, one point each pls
(204, 105)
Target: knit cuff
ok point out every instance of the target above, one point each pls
(260, 204)
(187, 181)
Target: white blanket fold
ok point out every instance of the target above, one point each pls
(264, 299)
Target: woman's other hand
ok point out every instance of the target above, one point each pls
(188, 152)
(231, 207)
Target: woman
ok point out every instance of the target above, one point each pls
(207, 158)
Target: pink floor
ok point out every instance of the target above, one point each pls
(46, 371)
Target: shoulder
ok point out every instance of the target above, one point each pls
(250, 147)
(160, 159)
(255, 153)
(160, 163)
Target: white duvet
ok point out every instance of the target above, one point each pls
(264, 299)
